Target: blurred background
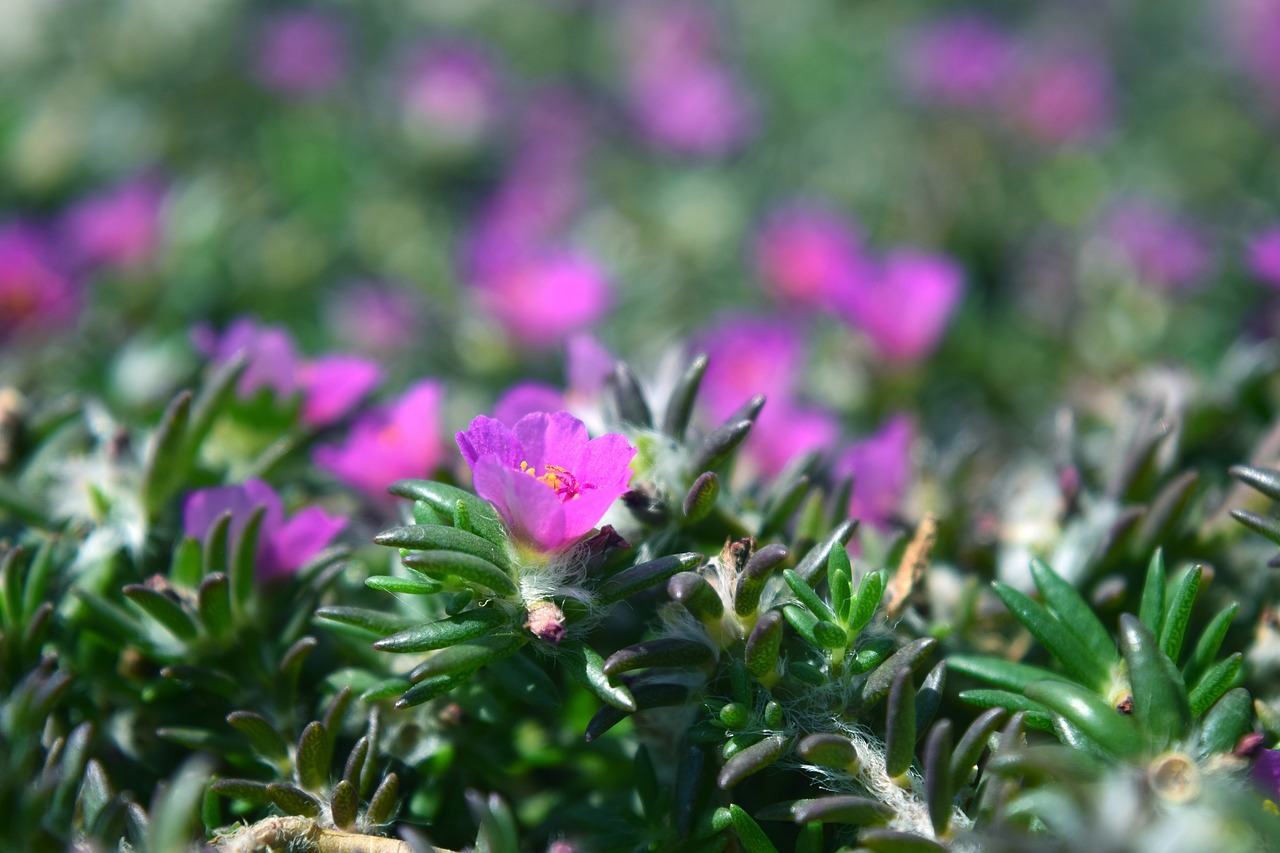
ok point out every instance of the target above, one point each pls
(954, 207)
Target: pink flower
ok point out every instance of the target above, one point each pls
(550, 484)
(804, 253)
(881, 469)
(392, 443)
(542, 298)
(1264, 256)
(451, 91)
(34, 293)
(273, 363)
(301, 53)
(1253, 28)
(119, 228)
(284, 546)
(1063, 96)
(526, 398)
(1162, 248)
(904, 309)
(374, 319)
(784, 431)
(333, 385)
(962, 59)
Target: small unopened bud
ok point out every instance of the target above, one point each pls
(546, 621)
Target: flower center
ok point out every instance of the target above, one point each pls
(560, 480)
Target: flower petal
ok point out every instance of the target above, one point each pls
(489, 436)
(298, 540)
(532, 510)
(332, 386)
(557, 438)
(525, 399)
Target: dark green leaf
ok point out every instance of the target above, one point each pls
(1159, 696)
(1085, 710)
(814, 565)
(630, 581)
(675, 419)
(164, 610)
(1073, 611)
(431, 537)
(437, 564)
(373, 622)
(293, 800)
(1218, 680)
(665, 652)
(752, 760)
(467, 625)
(1178, 613)
(701, 497)
(587, 668)
(1151, 611)
(1073, 655)
(444, 499)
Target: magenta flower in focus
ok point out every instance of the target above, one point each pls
(284, 546)
(34, 293)
(1264, 256)
(1063, 96)
(905, 308)
(1163, 249)
(543, 298)
(547, 480)
(273, 363)
(451, 91)
(804, 252)
(881, 468)
(301, 53)
(333, 385)
(119, 228)
(392, 443)
(960, 59)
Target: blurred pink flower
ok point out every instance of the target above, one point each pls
(35, 294)
(1163, 249)
(1062, 95)
(526, 398)
(1264, 256)
(683, 96)
(905, 307)
(273, 362)
(119, 228)
(960, 59)
(747, 356)
(1253, 29)
(301, 52)
(587, 364)
(284, 546)
(333, 385)
(784, 431)
(881, 468)
(804, 252)
(451, 91)
(542, 298)
(547, 480)
(391, 443)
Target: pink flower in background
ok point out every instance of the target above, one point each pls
(1253, 29)
(374, 319)
(904, 309)
(881, 468)
(1264, 256)
(119, 228)
(391, 443)
(526, 398)
(333, 385)
(748, 356)
(588, 364)
(273, 362)
(452, 92)
(301, 53)
(35, 294)
(284, 545)
(784, 431)
(683, 97)
(960, 59)
(1162, 248)
(804, 252)
(547, 480)
(545, 297)
(1062, 96)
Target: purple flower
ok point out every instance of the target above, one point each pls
(284, 546)
(1253, 28)
(526, 398)
(34, 293)
(333, 385)
(1162, 248)
(273, 363)
(1266, 771)
(682, 96)
(1062, 96)
(119, 228)
(748, 356)
(1264, 256)
(451, 91)
(301, 53)
(905, 307)
(388, 444)
(587, 364)
(881, 469)
(784, 431)
(962, 59)
(550, 484)
(543, 298)
(805, 252)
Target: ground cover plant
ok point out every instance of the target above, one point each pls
(656, 426)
